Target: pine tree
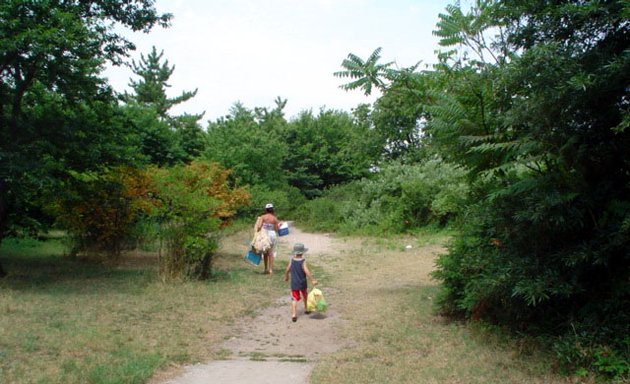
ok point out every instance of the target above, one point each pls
(151, 88)
(171, 139)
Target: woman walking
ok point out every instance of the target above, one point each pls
(269, 222)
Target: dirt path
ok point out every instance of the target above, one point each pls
(277, 350)
(379, 327)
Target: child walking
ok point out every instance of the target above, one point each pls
(299, 272)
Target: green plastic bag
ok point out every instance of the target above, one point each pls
(315, 301)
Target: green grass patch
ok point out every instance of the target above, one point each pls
(398, 337)
(65, 320)
(121, 366)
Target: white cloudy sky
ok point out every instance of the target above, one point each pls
(255, 50)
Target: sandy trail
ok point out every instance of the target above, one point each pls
(277, 350)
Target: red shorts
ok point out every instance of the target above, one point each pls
(295, 294)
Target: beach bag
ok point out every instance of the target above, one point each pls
(252, 258)
(315, 301)
(261, 242)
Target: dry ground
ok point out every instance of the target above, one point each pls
(270, 348)
(65, 321)
(379, 328)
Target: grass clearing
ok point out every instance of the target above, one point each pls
(388, 298)
(73, 321)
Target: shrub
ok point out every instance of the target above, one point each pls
(100, 209)
(396, 198)
(533, 261)
(194, 201)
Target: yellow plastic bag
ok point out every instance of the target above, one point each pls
(315, 301)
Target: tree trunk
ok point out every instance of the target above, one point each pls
(4, 213)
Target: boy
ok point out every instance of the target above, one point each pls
(299, 272)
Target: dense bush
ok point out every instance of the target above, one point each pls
(100, 209)
(540, 117)
(396, 198)
(194, 200)
(568, 282)
(325, 213)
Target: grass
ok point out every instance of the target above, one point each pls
(389, 305)
(68, 320)
(73, 321)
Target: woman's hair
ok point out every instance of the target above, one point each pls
(268, 210)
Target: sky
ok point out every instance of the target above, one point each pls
(253, 51)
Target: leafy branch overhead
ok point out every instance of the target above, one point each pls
(366, 73)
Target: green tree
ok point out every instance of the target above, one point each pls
(249, 144)
(328, 149)
(365, 74)
(168, 139)
(157, 141)
(151, 88)
(400, 115)
(62, 45)
(543, 129)
(56, 114)
(191, 138)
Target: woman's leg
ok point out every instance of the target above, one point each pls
(272, 251)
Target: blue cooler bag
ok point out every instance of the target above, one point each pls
(252, 257)
(284, 229)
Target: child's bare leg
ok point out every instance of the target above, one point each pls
(305, 306)
(266, 260)
(294, 309)
(270, 257)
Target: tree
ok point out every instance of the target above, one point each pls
(158, 142)
(100, 209)
(543, 131)
(194, 200)
(401, 114)
(327, 149)
(61, 44)
(365, 73)
(252, 148)
(56, 114)
(151, 88)
(191, 138)
(168, 139)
